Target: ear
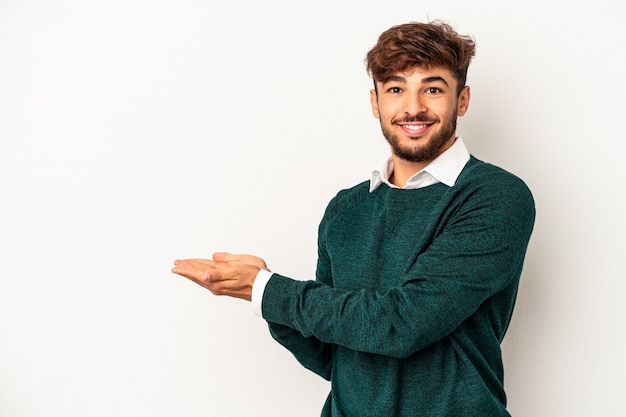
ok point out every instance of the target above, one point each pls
(464, 99)
(374, 103)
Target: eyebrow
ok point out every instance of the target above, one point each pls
(427, 80)
(433, 79)
(394, 78)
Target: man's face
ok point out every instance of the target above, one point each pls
(417, 110)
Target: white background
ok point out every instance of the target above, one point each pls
(135, 132)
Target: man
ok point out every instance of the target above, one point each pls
(418, 268)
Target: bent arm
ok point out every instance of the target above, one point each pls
(477, 255)
(311, 352)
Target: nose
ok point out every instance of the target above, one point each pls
(414, 104)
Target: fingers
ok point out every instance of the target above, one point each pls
(221, 278)
(231, 258)
(193, 269)
(204, 270)
(240, 258)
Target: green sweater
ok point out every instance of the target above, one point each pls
(413, 294)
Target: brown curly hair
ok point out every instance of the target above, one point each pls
(423, 45)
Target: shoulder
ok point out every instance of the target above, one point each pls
(478, 174)
(346, 200)
(350, 196)
(487, 185)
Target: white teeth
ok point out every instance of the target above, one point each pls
(414, 127)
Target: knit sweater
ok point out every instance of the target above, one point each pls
(413, 294)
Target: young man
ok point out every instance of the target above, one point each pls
(418, 268)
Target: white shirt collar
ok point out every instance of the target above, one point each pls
(446, 168)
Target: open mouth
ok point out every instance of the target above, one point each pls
(415, 129)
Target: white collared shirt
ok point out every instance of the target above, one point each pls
(446, 168)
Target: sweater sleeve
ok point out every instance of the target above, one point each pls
(476, 254)
(311, 352)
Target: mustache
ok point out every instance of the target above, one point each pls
(422, 117)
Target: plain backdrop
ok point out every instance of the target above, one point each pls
(135, 132)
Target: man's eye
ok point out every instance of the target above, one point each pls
(433, 90)
(395, 90)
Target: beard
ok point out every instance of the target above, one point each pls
(416, 152)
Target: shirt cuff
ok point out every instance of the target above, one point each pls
(258, 288)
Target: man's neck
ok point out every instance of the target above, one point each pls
(404, 169)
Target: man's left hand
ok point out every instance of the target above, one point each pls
(226, 274)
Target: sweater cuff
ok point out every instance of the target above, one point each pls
(282, 300)
(258, 288)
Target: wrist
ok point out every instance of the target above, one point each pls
(258, 288)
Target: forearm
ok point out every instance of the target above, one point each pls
(359, 320)
(309, 351)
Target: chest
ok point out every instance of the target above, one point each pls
(372, 245)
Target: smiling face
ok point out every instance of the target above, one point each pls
(417, 110)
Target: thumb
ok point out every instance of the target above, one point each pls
(240, 258)
(225, 257)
